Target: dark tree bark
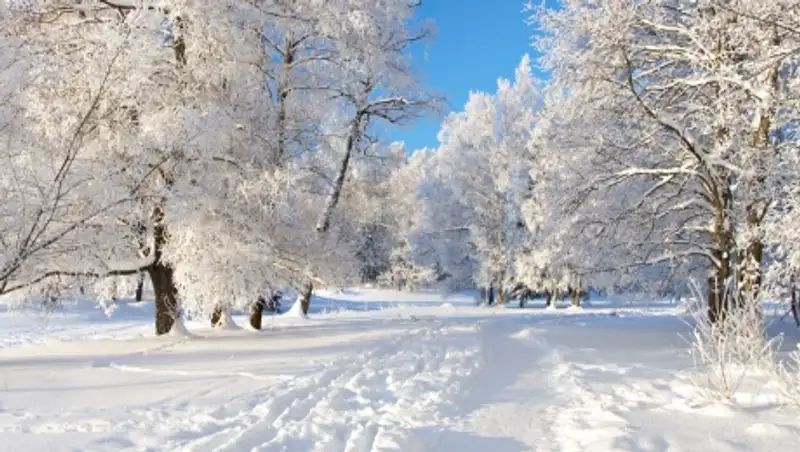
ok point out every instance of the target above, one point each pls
(166, 294)
(490, 295)
(576, 295)
(283, 95)
(256, 312)
(140, 287)
(500, 295)
(305, 297)
(750, 259)
(338, 182)
(216, 316)
(548, 299)
(163, 278)
(719, 300)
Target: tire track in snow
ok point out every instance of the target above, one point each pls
(596, 401)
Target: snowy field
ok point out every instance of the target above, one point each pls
(372, 371)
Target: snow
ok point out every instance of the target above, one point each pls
(387, 371)
(296, 310)
(179, 328)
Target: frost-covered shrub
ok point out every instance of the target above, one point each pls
(789, 377)
(726, 352)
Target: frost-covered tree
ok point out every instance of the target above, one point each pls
(51, 210)
(159, 101)
(413, 258)
(378, 84)
(369, 200)
(482, 167)
(206, 138)
(676, 106)
(316, 55)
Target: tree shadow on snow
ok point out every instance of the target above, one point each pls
(292, 341)
(785, 327)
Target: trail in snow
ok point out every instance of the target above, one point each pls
(368, 402)
(602, 384)
(355, 392)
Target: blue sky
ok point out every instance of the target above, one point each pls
(477, 42)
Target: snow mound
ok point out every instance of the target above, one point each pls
(296, 310)
(762, 429)
(447, 306)
(527, 333)
(226, 323)
(179, 329)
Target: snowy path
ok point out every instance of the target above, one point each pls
(358, 387)
(407, 379)
(601, 384)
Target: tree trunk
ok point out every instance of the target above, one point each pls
(719, 300)
(750, 260)
(548, 299)
(555, 296)
(166, 295)
(490, 295)
(718, 293)
(333, 198)
(305, 297)
(140, 287)
(755, 191)
(256, 313)
(576, 295)
(162, 277)
(500, 295)
(216, 316)
(795, 307)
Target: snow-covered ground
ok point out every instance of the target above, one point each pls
(370, 371)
